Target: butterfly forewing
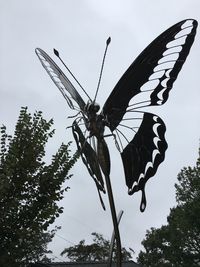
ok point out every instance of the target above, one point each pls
(151, 76)
(61, 81)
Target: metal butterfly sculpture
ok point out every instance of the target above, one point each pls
(150, 76)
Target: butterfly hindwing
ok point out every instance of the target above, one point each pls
(142, 156)
(89, 158)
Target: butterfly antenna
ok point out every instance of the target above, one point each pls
(57, 54)
(102, 65)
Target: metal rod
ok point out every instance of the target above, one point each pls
(57, 54)
(114, 218)
(102, 65)
(112, 242)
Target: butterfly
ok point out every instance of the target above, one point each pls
(147, 82)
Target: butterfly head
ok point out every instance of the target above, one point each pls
(92, 107)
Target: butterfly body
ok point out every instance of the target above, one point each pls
(94, 122)
(151, 76)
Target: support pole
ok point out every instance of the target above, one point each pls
(104, 161)
(112, 242)
(114, 218)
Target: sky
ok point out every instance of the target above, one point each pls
(79, 29)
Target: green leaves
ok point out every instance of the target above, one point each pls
(177, 243)
(29, 188)
(97, 251)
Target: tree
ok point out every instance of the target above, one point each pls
(29, 189)
(178, 243)
(97, 251)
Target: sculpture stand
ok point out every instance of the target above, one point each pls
(112, 242)
(116, 234)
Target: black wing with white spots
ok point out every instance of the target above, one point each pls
(149, 78)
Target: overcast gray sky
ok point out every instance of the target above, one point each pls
(78, 29)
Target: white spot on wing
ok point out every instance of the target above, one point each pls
(156, 140)
(177, 42)
(160, 94)
(155, 127)
(185, 31)
(150, 85)
(154, 154)
(173, 50)
(170, 57)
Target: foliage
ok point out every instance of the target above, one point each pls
(97, 251)
(29, 189)
(178, 243)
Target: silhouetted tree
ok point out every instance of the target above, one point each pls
(29, 189)
(177, 243)
(97, 251)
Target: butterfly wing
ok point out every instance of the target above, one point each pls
(88, 154)
(142, 156)
(89, 158)
(61, 81)
(158, 65)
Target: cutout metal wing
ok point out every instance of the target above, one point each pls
(151, 75)
(61, 81)
(161, 61)
(89, 158)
